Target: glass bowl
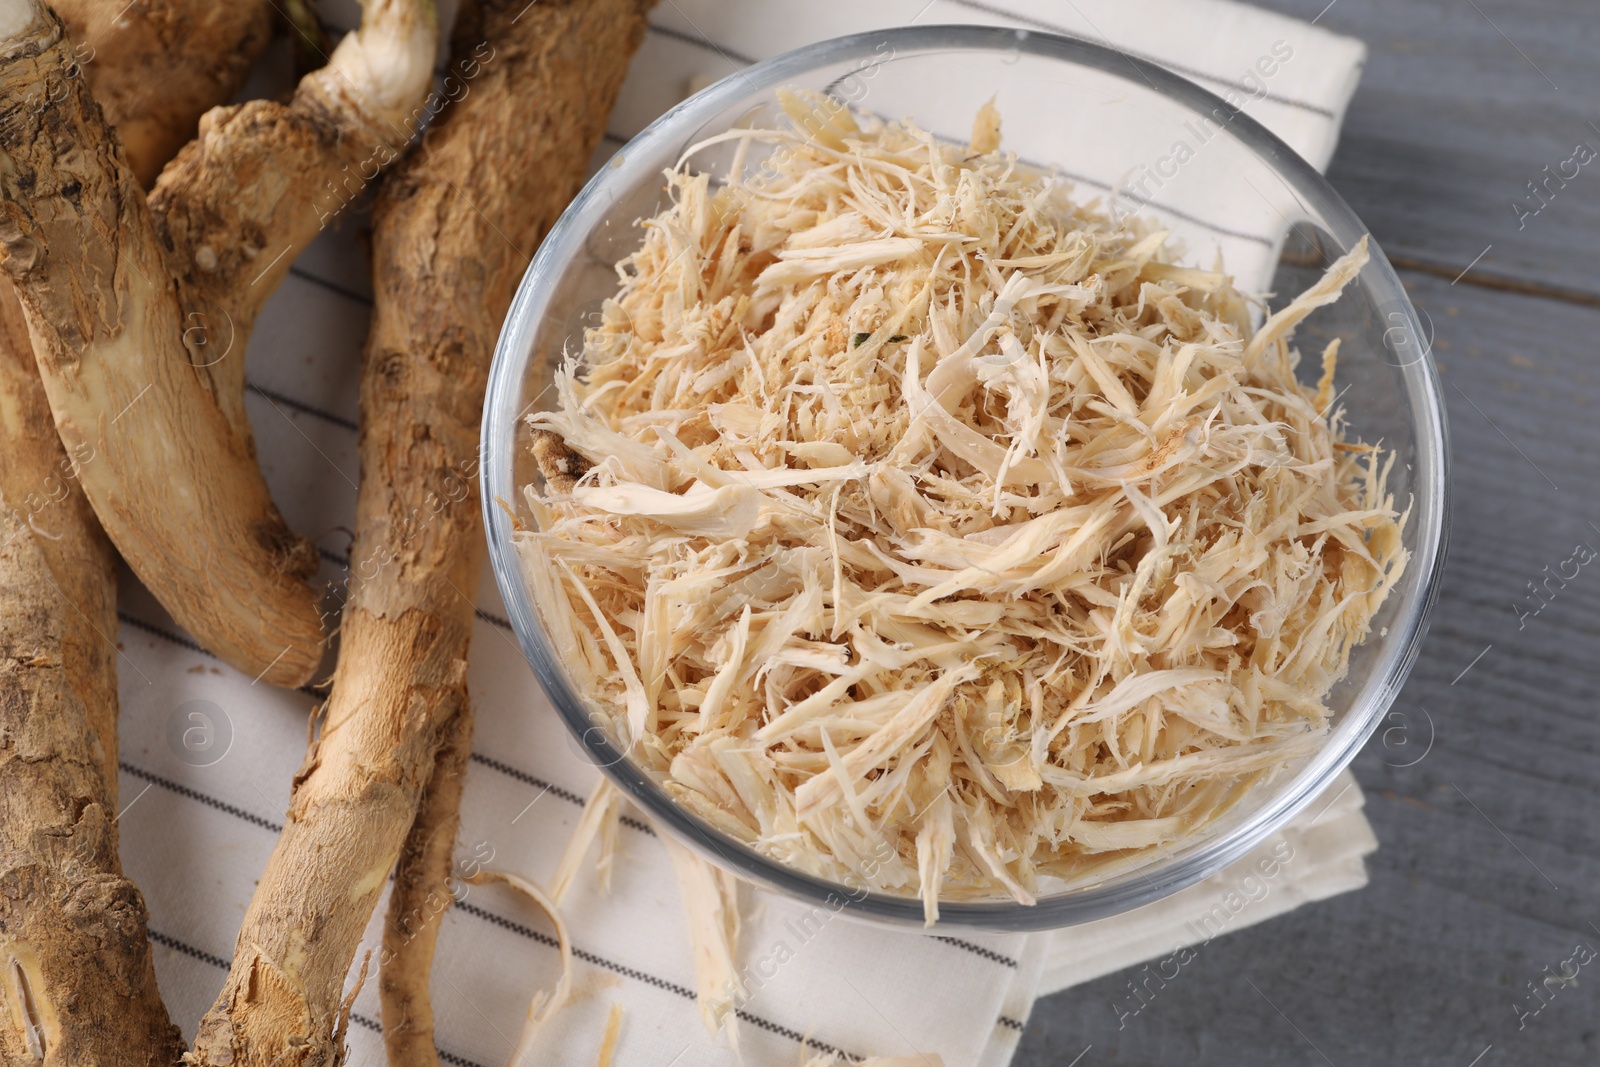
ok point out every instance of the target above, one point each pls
(1112, 125)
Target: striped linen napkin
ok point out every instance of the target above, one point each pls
(208, 755)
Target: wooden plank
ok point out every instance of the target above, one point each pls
(1391, 994)
(1457, 110)
(1490, 846)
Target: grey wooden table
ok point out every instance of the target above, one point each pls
(1484, 884)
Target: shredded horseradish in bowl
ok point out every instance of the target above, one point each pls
(923, 526)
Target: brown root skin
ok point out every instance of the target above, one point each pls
(353, 802)
(559, 464)
(567, 64)
(141, 313)
(452, 231)
(37, 482)
(421, 895)
(305, 163)
(76, 982)
(127, 52)
(73, 936)
(178, 492)
(217, 45)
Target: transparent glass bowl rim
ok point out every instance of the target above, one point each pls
(1119, 893)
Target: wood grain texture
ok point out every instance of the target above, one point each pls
(1490, 846)
(1460, 106)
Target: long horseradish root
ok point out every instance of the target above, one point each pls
(555, 74)
(453, 228)
(140, 311)
(76, 982)
(926, 514)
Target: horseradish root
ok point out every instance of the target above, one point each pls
(422, 893)
(554, 74)
(304, 161)
(76, 983)
(128, 52)
(453, 227)
(140, 312)
(75, 967)
(920, 512)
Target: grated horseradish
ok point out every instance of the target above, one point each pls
(930, 531)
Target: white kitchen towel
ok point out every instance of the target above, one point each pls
(207, 755)
(1318, 855)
